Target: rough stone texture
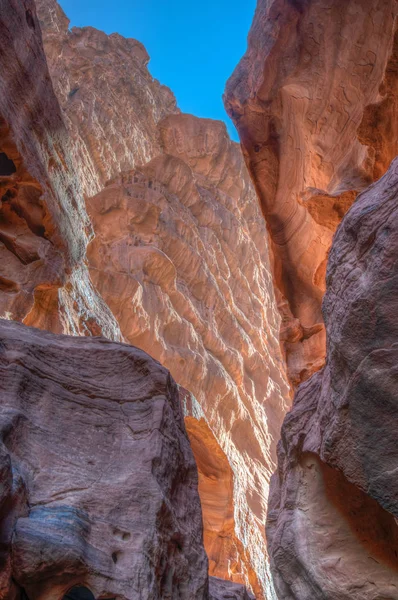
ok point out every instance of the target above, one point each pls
(99, 483)
(226, 590)
(180, 256)
(44, 228)
(333, 520)
(110, 101)
(315, 103)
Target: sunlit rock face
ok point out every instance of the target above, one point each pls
(110, 101)
(315, 103)
(181, 258)
(99, 483)
(333, 519)
(44, 227)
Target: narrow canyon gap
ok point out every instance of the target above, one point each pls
(162, 294)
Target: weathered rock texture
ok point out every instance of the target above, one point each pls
(226, 590)
(315, 103)
(44, 228)
(99, 483)
(180, 253)
(333, 520)
(110, 101)
(180, 256)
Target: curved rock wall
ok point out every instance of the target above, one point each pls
(315, 103)
(44, 227)
(180, 256)
(99, 483)
(333, 520)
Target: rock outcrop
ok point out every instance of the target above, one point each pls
(178, 265)
(333, 520)
(181, 258)
(111, 103)
(44, 227)
(99, 483)
(226, 590)
(315, 103)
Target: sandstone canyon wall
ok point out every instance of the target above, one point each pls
(122, 217)
(178, 263)
(44, 227)
(99, 483)
(110, 102)
(333, 520)
(181, 258)
(315, 103)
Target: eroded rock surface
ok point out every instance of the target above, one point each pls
(315, 103)
(226, 590)
(110, 101)
(333, 520)
(99, 483)
(44, 227)
(180, 256)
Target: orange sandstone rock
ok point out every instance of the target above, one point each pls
(181, 258)
(333, 519)
(44, 227)
(315, 103)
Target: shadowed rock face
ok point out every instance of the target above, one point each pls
(180, 256)
(99, 483)
(180, 253)
(226, 590)
(333, 520)
(315, 103)
(44, 228)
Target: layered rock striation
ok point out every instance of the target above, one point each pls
(99, 483)
(315, 103)
(44, 227)
(333, 515)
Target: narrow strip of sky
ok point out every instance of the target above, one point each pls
(194, 46)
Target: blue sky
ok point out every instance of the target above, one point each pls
(194, 46)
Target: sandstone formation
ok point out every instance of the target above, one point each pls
(315, 103)
(110, 101)
(333, 520)
(180, 254)
(44, 228)
(99, 483)
(181, 258)
(226, 590)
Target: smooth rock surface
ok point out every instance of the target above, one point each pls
(226, 590)
(315, 102)
(333, 519)
(99, 483)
